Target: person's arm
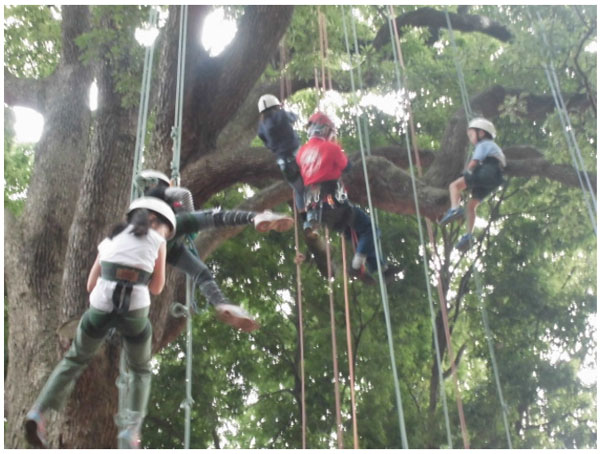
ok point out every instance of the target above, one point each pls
(157, 282)
(471, 165)
(94, 274)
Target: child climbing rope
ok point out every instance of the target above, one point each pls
(322, 163)
(189, 222)
(129, 266)
(482, 176)
(276, 130)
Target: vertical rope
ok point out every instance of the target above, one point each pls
(124, 377)
(563, 115)
(382, 286)
(468, 112)
(398, 59)
(176, 131)
(283, 87)
(188, 364)
(143, 110)
(300, 326)
(338, 414)
(175, 176)
(349, 343)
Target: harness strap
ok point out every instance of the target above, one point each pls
(117, 272)
(121, 297)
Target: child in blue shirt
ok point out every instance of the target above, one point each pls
(482, 176)
(276, 130)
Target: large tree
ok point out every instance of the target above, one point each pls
(82, 174)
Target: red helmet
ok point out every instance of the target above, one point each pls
(319, 118)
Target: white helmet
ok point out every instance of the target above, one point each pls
(158, 206)
(485, 125)
(267, 101)
(149, 175)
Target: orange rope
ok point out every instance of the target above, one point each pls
(349, 342)
(282, 88)
(338, 413)
(300, 325)
(441, 295)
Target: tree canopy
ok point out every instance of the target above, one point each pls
(535, 252)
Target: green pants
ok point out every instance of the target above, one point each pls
(136, 330)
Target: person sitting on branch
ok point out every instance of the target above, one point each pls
(129, 266)
(484, 173)
(189, 222)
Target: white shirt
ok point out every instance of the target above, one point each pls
(126, 249)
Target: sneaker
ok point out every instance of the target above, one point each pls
(129, 438)
(35, 429)
(465, 242)
(237, 317)
(267, 220)
(358, 260)
(452, 214)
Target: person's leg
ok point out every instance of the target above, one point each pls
(455, 211)
(137, 342)
(297, 185)
(228, 313)
(90, 333)
(365, 249)
(456, 188)
(471, 212)
(199, 220)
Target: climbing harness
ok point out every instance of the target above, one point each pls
(378, 254)
(469, 114)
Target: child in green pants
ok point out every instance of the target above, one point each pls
(130, 265)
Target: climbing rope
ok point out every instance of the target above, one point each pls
(469, 113)
(326, 78)
(382, 286)
(143, 110)
(563, 115)
(175, 177)
(285, 84)
(300, 326)
(122, 419)
(349, 344)
(338, 413)
(399, 62)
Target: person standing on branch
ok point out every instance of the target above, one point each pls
(484, 173)
(189, 222)
(276, 130)
(130, 265)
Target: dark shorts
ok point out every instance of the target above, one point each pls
(484, 179)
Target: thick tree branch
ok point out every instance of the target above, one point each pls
(24, 92)
(435, 19)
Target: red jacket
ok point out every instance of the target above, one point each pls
(320, 160)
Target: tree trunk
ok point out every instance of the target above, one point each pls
(35, 246)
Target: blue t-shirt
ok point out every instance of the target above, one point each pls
(489, 149)
(277, 133)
